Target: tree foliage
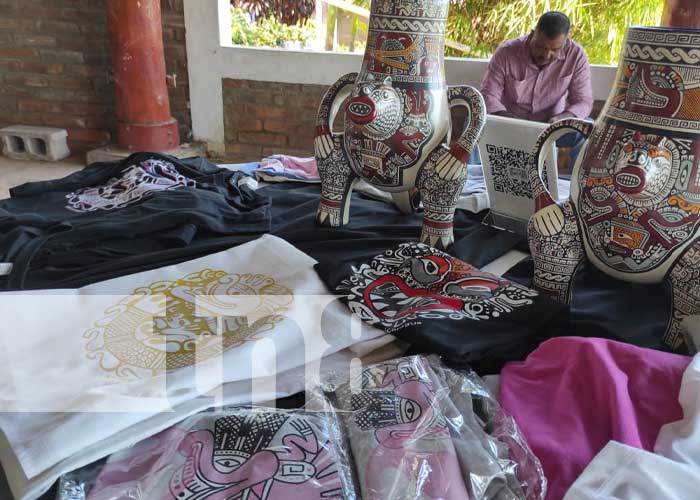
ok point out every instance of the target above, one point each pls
(289, 12)
(268, 31)
(481, 25)
(598, 25)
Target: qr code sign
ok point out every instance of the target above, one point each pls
(509, 169)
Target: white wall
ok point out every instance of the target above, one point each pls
(211, 57)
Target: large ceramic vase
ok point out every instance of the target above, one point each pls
(397, 121)
(635, 191)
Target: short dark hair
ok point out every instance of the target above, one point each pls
(552, 24)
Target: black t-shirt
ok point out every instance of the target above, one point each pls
(114, 218)
(441, 304)
(603, 306)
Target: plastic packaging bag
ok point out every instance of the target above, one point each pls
(76, 484)
(421, 431)
(256, 453)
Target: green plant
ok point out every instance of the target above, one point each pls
(598, 25)
(268, 31)
(290, 12)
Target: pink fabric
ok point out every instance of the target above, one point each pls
(513, 82)
(291, 166)
(572, 395)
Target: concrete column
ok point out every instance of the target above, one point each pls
(142, 104)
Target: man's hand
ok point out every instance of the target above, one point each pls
(562, 116)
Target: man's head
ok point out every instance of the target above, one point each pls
(549, 37)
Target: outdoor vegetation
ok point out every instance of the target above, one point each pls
(269, 31)
(479, 25)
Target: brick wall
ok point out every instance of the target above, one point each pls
(55, 67)
(173, 17)
(263, 118)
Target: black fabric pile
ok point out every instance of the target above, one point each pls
(374, 226)
(67, 233)
(117, 218)
(603, 306)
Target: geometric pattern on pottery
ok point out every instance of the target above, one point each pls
(135, 183)
(635, 197)
(414, 281)
(441, 179)
(556, 256)
(635, 204)
(396, 120)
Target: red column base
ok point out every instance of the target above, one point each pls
(148, 136)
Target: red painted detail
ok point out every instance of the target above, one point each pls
(330, 204)
(459, 152)
(399, 143)
(438, 301)
(420, 102)
(322, 130)
(361, 110)
(543, 200)
(654, 223)
(442, 264)
(630, 180)
(612, 209)
(142, 105)
(673, 96)
(438, 225)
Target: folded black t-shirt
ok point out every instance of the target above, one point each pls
(113, 218)
(441, 304)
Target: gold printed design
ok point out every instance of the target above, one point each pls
(134, 340)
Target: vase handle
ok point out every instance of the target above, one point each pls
(470, 98)
(327, 111)
(536, 162)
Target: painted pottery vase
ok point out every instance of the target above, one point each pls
(635, 190)
(397, 121)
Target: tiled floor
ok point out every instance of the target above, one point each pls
(15, 172)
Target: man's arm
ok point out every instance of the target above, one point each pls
(579, 102)
(493, 84)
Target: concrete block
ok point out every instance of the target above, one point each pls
(26, 142)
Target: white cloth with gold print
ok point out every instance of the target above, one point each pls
(95, 362)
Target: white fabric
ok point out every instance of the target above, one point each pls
(680, 441)
(288, 383)
(621, 472)
(64, 361)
